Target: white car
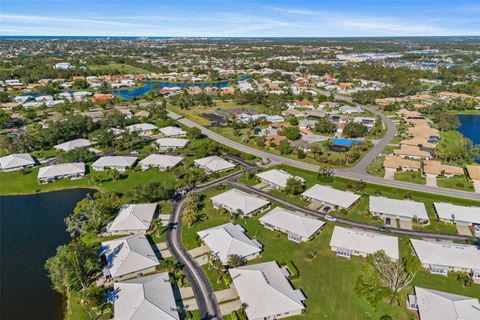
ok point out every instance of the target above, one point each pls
(330, 218)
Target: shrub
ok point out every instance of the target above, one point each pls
(293, 270)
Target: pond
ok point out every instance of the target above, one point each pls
(470, 127)
(31, 228)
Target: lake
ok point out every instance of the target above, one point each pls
(470, 127)
(31, 228)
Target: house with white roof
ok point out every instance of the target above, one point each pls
(16, 161)
(54, 172)
(460, 215)
(235, 201)
(442, 257)
(214, 164)
(328, 196)
(73, 144)
(392, 209)
(352, 242)
(170, 144)
(173, 132)
(296, 225)
(161, 161)
(277, 179)
(230, 239)
(149, 297)
(128, 257)
(265, 289)
(120, 163)
(439, 305)
(143, 129)
(132, 218)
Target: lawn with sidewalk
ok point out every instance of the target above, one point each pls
(327, 280)
(457, 182)
(411, 176)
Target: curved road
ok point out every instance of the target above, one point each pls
(355, 173)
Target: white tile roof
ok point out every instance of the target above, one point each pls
(238, 200)
(133, 217)
(139, 127)
(171, 142)
(363, 241)
(172, 131)
(455, 213)
(265, 290)
(293, 222)
(327, 194)
(149, 297)
(128, 255)
(16, 160)
(438, 305)
(447, 254)
(395, 207)
(73, 144)
(277, 177)
(214, 164)
(115, 161)
(164, 161)
(229, 239)
(62, 169)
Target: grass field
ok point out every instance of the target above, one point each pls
(375, 168)
(458, 182)
(328, 281)
(123, 68)
(410, 176)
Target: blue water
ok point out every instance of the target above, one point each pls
(470, 127)
(344, 142)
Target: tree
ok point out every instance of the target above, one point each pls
(115, 174)
(151, 192)
(192, 209)
(4, 117)
(325, 126)
(465, 279)
(292, 133)
(325, 173)
(76, 155)
(294, 186)
(235, 261)
(355, 130)
(285, 147)
(194, 133)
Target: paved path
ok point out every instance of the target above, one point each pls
(350, 173)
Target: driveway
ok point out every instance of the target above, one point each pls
(389, 174)
(229, 307)
(226, 295)
(431, 180)
(195, 252)
(464, 230)
(476, 186)
(405, 224)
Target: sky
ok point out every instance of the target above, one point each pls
(240, 18)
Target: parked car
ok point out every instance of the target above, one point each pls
(476, 229)
(326, 209)
(384, 229)
(330, 218)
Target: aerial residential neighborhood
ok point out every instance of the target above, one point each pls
(234, 160)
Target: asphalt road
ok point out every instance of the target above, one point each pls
(350, 173)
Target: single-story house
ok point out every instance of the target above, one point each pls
(393, 209)
(236, 201)
(120, 163)
(166, 144)
(442, 257)
(145, 129)
(436, 168)
(132, 218)
(302, 144)
(328, 196)
(173, 132)
(296, 225)
(351, 242)
(453, 213)
(160, 161)
(396, 163)
(436, 305)
(58, 171)
(73, 144)
(277, 179)
(230, 239)
(368, 122)
(149, 297)
(473, 172)
(214, 164)
(266, 291)
(128, 257)
(412, 152)
(16, 161)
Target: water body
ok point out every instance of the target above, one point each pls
(470, 127)
(31, 228)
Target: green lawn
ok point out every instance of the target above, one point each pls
(411, 176)
(328, 281)
(457, 182)
(375, 168)
(77, 311)
(123, 68)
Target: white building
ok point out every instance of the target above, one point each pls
(120, 163)
(328, 196)
(392, 209)
(235, 201)
(149, 297)
(442, 257)
(63, 66)
(439, 305)
(296, 225)
(214, 164)
(74, 170)
(277, 179)
(460, 215)
(352, 242)
(16, 161)
(160, 161)
(266, 291)
(128, 257)
(73, 144)
(230, 239)
(173, 132)
(133, 218)
(167, 144)
(143, 129)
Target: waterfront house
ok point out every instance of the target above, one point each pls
(16, 161)
(132, 218)
(160, 161)
(120, 163)
(54, 172)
